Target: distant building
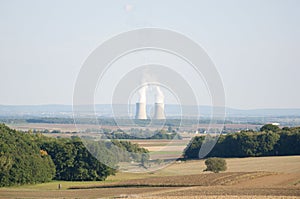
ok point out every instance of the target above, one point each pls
(276, 124)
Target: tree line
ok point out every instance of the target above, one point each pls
(112, 122)
(142, 134)
(269, 141)
(28, 158)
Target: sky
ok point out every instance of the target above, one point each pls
(254, 44)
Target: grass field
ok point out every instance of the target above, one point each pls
(264, 177)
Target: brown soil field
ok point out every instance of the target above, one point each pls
(208, 179)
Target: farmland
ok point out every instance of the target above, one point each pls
(263, 177)
(255, 177)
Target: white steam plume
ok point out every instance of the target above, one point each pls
(159, 96)
(142, 94)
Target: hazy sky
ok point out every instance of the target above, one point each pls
(255, 44)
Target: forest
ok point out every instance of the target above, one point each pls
(269, 141)
(28, 158)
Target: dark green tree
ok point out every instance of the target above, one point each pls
(192, 150)
(74, 162)
(215, 165)
(21, 159)
(270, 127)
(250, 143)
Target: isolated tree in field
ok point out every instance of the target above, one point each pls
(215, 165)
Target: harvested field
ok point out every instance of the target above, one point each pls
(221, 197)
(261, 178)
(194, 192)
(223, 185)
(163, 149)
(209, 179)
(92, 193)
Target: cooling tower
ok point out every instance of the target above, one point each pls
(141, 111)
(159, 111)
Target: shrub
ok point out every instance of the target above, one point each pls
(215, 165)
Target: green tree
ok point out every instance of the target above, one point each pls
(21, 161)
(270, 127)
(215, 165)
(74, 162)
(192, 150)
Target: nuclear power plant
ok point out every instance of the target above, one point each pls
(159, 106)
(159, 111)
(141, 113)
